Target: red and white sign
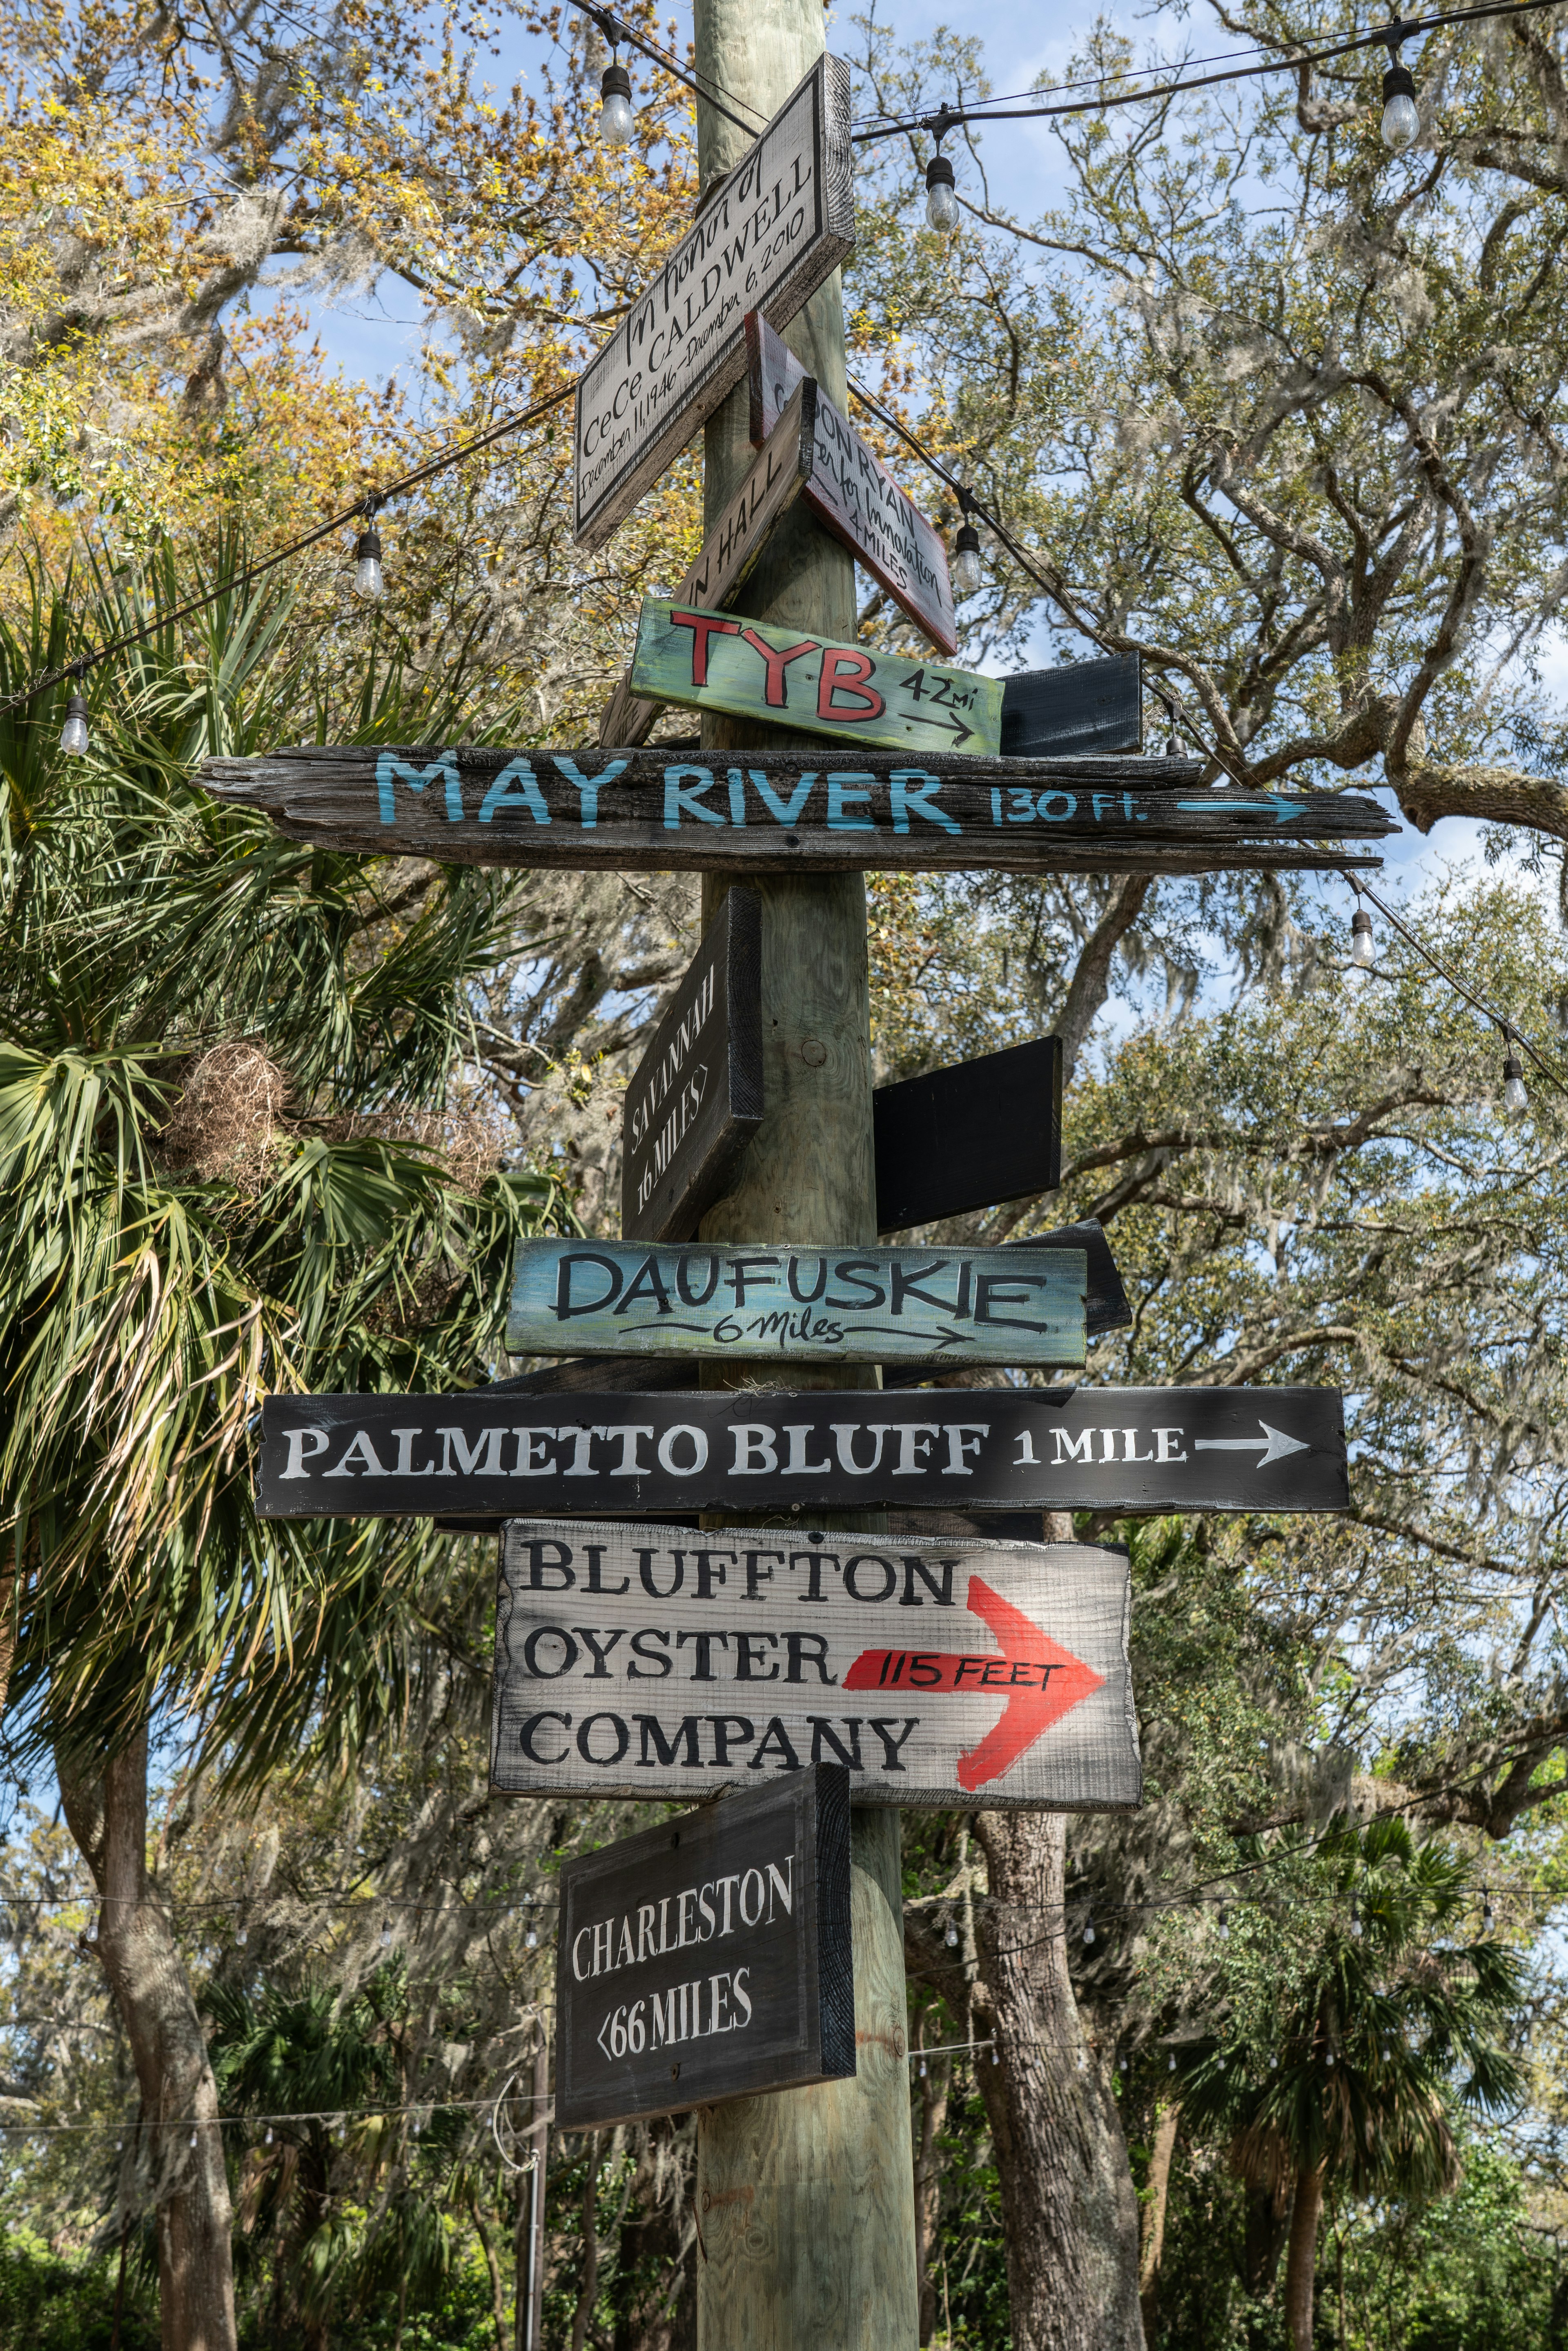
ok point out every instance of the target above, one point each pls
(660, 1661)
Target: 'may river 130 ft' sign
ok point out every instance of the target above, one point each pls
(776, 227)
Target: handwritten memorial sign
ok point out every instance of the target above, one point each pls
(824, 1305)
(779, 223)
(708, 1958)
(784, 679)
(969, 1136)
(731, 548)
(773, 811)
(1059, 1448)
(854, 493)
(697, 1095)
(645, 1661)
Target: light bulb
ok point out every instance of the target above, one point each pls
(74, 736)
(1224, 1924)
(192, 2139)
(241, 1934)
(386, 1934)
(951, 1939)
(616, 121)
(941, 202)
(368, 580)
(923, 2069)
(269, 2140)
(532, 1939)
(1089, 1930)
(996, 2055)
(1329, 2059)
(1514, 1098)
(1401, 115)
(967, 572)
(1363, 953)
(1171, 2066)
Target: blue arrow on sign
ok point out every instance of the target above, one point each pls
(1282, 810)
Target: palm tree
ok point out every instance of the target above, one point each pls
(1397, 2022)
(230, 1161)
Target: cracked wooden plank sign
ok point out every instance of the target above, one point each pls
(854, 492)
(708, 661)
(799, 1305)
(645, 1661)
(708, 1958)
(765, 238)
(778, 811)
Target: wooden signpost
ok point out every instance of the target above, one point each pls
(639, 1661)
(969, 1136)
(781, 223)
(708, 1958)
(852, 492)
(496, 1450)
(1092, 706)
(731, 548)
(799, 1305)
(781, 677)
(786, 811)
(696, 1095)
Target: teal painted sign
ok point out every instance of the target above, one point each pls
(844, 1305)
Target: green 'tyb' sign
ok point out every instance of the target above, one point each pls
(846, 1305)
(720, 660)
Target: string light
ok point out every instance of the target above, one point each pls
(1401, 116)
(616, 121)
(1223, 1923)
(1089, 1927)
(1355, 1917)
(75, 741)
(1363, 953)
(1515, 1101)
(1486, 1910)
(967, 572)
(369, 579)
(940, 200)
(951, 1937)
(531, 1938)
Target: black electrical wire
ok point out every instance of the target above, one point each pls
(946, 118)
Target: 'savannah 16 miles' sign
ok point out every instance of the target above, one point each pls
(778, 225)
(645, 1661)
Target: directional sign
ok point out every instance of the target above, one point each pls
(696, 1095)
(1056, 1448)
(766, 239)
(795, 1304)
(784, 679)
(732, 547)
(775, 812)
(969, 1136)
(1092, 706)
(709, 1958)
(645, 1661)
(854, 493)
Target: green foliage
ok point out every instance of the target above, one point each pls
(52, 2302)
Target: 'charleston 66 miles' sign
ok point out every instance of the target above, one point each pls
(647, 1661)
(778, 225)
(708, 1958)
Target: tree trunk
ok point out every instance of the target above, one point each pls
(1155, 2204)
(1068, 2203)
(588, 2285)
(1267, 2224)
(1302, 2258)
(108, 1819)
(929, 2190)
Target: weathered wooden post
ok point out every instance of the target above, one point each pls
(805, 2199)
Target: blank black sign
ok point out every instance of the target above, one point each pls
(708, 1958)
(1094, 706)
(969, 1136)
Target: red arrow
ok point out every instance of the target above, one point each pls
(1046, 1681)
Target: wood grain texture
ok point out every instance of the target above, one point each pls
(781, 223)
(840, 691)
(733, 547)
(796, 1303)
(780, 812)
(805, 2203)
(854, 492)
(695, 1097)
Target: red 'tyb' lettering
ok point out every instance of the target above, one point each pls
(702, 625)
(778, 662)
(845, 673)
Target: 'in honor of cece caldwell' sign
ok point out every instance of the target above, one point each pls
(709, 1958)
